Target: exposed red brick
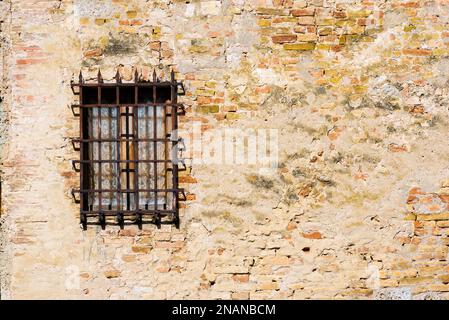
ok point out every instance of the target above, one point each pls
(284, 38)
(393, 147)
(312, 235)
(444, 197)
(365, 22)
(241, 277)
(413, 4)
(136, 22)
(218, 100)
(416, 190)
(336, 48)
(418, 109)
(204, 100)
(303, 12)
(412, 199)
(340, 15)
(427, 199)
(187, 179)
(263, 89)
(191, 197)
(93, 53)
(30, 61)
(417, 52)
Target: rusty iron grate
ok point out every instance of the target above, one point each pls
(128, 148)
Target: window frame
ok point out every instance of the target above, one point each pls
(85, 144)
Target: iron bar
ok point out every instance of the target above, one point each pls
(129, 84)
(174, 100)
(100, 177)
(158, 217)
(121, 140)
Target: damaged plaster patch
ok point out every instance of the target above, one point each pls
(393, 294)
(243, 41)
(121, 45)
(210, 8)
(269, 76)
(93, 8)
(4, 261)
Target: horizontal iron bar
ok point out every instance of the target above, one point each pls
(121, 161)
(127, 190)
(116, 105)
(128, 84)
(115, 212)
(130, 220)
(122, 140)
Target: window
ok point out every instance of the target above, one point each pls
(128, 151)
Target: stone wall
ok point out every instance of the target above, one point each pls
(357, 91)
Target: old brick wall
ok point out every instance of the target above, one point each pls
(357, 91)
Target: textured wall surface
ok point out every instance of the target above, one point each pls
(357, 207)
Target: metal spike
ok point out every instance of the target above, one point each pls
(118, 79)
(154, 75)
(172, 75)
(80, 77)
(136, 76)
(99, 77)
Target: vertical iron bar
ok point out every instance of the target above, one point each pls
(147, 154)
(110, 156)
(92, 157)
(83, 195)
(117, 94)
(164, 117)
(119, 167)
(136, 157)
(100, 195)
(157, 215)
(128, 196)
(174, 114)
